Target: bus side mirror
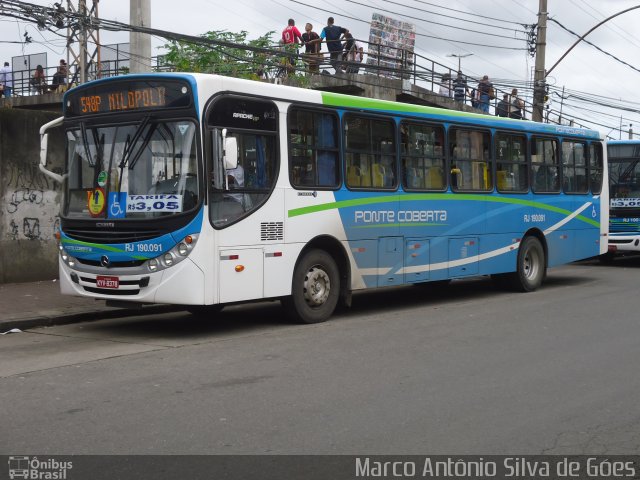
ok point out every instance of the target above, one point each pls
(230, 153)
(44, 143)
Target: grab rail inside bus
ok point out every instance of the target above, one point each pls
(44, 140)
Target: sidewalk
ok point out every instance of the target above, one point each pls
(37, 304)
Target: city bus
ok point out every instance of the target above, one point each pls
(623, 157)
(204, 191)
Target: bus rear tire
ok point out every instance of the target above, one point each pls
(315, 288)
(531, 267)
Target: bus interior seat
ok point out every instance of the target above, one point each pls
(353, 176)
(414, 178)
(501, 177)
(435, 178)
(378, 174)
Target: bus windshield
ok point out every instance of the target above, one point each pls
(624, 171)
(143, 170)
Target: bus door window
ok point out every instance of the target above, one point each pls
(370, 152)
(511, 162)
(313, 139)
(240, 190)
(544, 165)
(470, 160)
(595, 167)
(574, 167)
(422, 156)
(253, 123)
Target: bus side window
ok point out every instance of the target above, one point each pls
(471, 165)
(595, 167)
(422, 156)
(370, 152)
(511, 163)
(313, 143)
(544, 165)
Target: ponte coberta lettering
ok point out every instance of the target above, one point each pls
(399, 216)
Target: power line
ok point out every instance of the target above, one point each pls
(467, 13)
(430, 21)
(454, 18)
(417, 34)
(593, 45)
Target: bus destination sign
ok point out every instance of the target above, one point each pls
(129, 96)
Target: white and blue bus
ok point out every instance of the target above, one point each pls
(203, 190)
(624, 187)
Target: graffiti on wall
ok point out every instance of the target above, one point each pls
(30, 206)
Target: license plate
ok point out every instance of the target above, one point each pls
(107, 282)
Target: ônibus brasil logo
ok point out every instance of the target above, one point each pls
(32, 468)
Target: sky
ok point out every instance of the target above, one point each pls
(586, 73)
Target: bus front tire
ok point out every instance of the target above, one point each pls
(315, 289)
(532, 266)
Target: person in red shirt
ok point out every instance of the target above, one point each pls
(291, 38)
(291, 34)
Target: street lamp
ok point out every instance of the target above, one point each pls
(459, 57)
(619, 131)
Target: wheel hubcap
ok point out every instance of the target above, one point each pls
(316, 287)
(531, 264)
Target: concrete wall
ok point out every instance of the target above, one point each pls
(29, 201)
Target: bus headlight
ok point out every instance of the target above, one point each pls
(66, 258)
(173, 256)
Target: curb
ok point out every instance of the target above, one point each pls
(84, 316)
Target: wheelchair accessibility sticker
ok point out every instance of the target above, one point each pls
(117, 204)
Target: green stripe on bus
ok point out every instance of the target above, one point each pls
(95, 245)
(339, 100)
(101, 247)
(356, 202)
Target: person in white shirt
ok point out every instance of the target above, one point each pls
(6, 80)
(445, 85)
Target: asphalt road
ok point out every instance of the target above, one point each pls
(464, 370)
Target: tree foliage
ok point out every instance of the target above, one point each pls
(221, 60)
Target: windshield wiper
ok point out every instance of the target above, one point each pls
(134, 160)
(128, 148)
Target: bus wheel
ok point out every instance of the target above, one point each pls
(315, 289)
(532, 267)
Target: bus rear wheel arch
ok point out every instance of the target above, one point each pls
(315, 288)
(531, 267)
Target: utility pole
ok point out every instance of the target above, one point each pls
(83, 43)
(540, 74)
(140, 43)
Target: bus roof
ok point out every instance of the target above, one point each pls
(339, 100)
